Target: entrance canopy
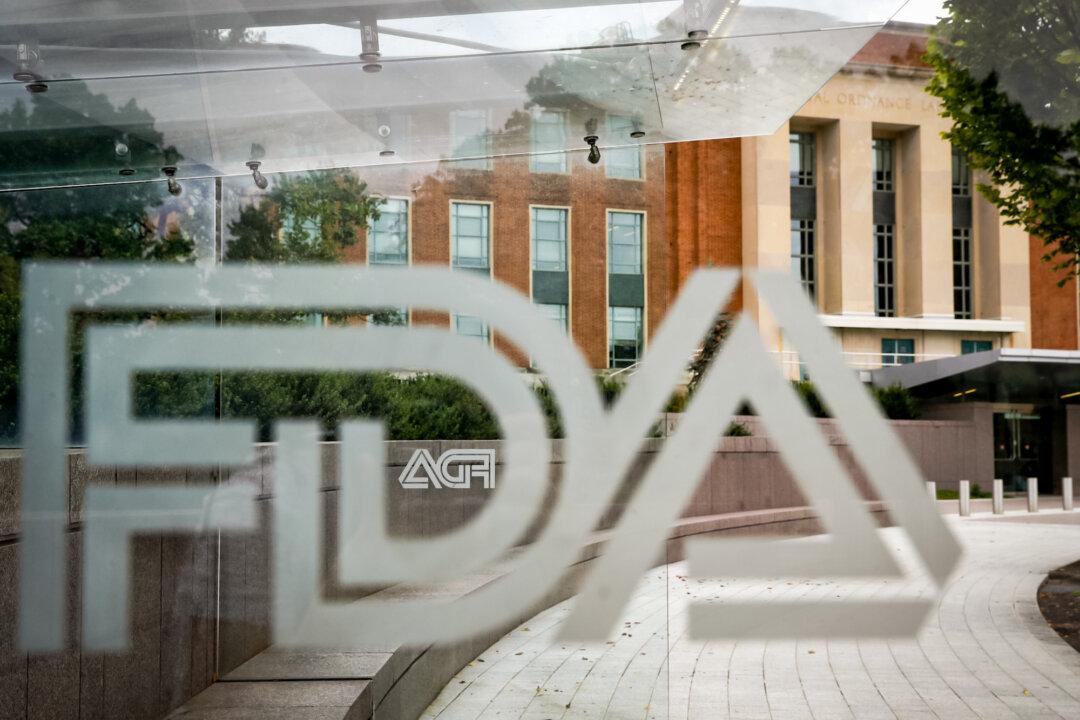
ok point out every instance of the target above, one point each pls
(209, 85)
(1018, 376)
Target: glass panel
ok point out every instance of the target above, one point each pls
(549, 230)
(623, 162)
(961, 174)
(883, 164)
(802, 161)
(469, 234)
(625, 336)
(389, 235)
(470, 326)
(549, 133)
(803, 259)
(625, 230)
(471, 139)
(556, 313)
(884, 276)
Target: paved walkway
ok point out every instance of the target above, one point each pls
(985, 653)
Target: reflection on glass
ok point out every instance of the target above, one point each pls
(622, 162)
(471, 326)
(470, 234)
(625, 236)
(625, 333)
(389, 234)
(548, 130)
(549, 231)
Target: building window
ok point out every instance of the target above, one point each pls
(548, 132)
(625, 231)
(622, 162)
(388, 237)
(883, 165)
(624, 331)
(884, 271)
(549, 230)
(471, 326)
(961, 272)
(803, 166)
(470, 138)
(470, 235)
(967, 347)
(802, 253)
(554, 312)
(897, 351)
(961, 174)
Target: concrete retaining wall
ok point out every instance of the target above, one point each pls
(200, 603)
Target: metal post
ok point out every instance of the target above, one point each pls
(1066, 493)
(931, 490)
(965, 498)
(1033, 494)
(999, 496)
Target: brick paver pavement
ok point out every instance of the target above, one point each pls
(985, 652)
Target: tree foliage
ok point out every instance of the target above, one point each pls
(126, 221)
(1008, 76)
(718, 332)
(306, 218)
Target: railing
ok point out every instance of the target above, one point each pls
(855, 360)
(864, 360)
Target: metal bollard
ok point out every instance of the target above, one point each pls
(999, 496)
(1033, 494)
(931, 490)
(965, 498)
(1066, 493)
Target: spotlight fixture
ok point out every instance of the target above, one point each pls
(27, 58)
(174, 186)
(637, 134)
(590, 140)
(387, 153)
(126, 171)
(369, 46)
(261, 180)
(694, 39)
(594, 152)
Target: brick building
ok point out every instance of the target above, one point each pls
(857, 194)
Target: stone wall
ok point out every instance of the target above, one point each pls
(200, 603)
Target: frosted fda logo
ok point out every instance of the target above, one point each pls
(599, 449)
(454, 470)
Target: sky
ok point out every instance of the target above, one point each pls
(566, 27)
(921, 11)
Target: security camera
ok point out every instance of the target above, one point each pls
(384, 131)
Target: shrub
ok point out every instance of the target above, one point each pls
(677, 403)
(897, 402)
(551, 410)
(810, 398)
(737, 429)
(610, 388)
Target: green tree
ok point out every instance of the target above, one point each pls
(305, 218)
(45, 142)
(1008, 76)
(718, 332)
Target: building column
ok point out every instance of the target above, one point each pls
(766, 214)
(846, 254)
(925, 225)
(1002, 274)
